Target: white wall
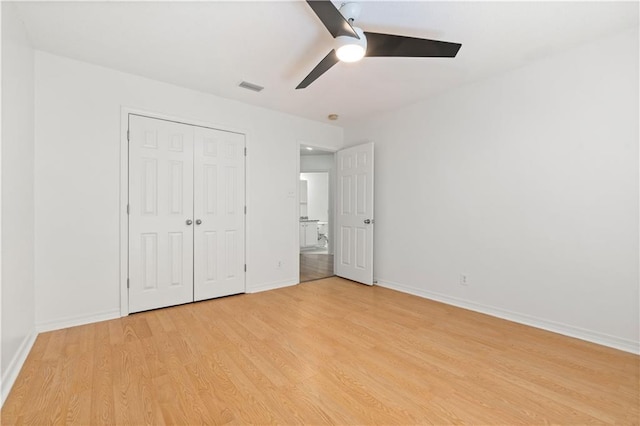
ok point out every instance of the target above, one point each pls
(528, 183)
(318, 195)
(77, 177)
(18, 300)
(316, 163)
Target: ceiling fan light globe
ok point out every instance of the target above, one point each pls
(350, 49)
(350, 53)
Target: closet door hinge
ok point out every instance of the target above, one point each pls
(245, 151)
(127, 208)
(127, 135)
(245, 267)
(127, 282)
(245, 209)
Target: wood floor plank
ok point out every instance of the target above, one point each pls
(325, 352)
(77, 402)
(102, 410)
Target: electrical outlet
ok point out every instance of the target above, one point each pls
(464, 279)
(279, 264)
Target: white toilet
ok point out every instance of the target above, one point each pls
(323, 232)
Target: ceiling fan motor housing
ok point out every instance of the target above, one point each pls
(350, 11)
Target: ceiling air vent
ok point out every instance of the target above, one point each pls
(251, 86)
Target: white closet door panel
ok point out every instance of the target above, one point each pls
(219, 194)
(160, 202)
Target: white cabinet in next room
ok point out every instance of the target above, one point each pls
(308, 234)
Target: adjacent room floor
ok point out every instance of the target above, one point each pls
(314, 266)
(323, 352)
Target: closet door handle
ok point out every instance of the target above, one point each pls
(198, 222)
(189, 221)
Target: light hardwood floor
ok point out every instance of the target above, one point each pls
(314, 266)
(328, 351)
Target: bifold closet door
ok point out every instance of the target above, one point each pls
(160, 213)
(219, 233)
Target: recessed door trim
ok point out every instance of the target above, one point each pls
(124, 187)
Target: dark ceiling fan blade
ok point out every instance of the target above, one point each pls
(395, 45)
(332, 18)
(330, 60)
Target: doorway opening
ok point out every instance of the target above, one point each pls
(316, 183)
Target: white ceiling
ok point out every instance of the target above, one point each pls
(212, 46)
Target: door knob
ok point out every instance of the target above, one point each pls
(367, 221)
(189, 221)
(198, 222)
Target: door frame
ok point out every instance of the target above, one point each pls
(331, 150)
(124, 188)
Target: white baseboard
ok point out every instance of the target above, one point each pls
(272, 286)
(14, 367)
(73, 321)
(626, 345)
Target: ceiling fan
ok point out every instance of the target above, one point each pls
(351, 43)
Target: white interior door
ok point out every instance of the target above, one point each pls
(219, 213)
(354, 208)
(160, 208)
